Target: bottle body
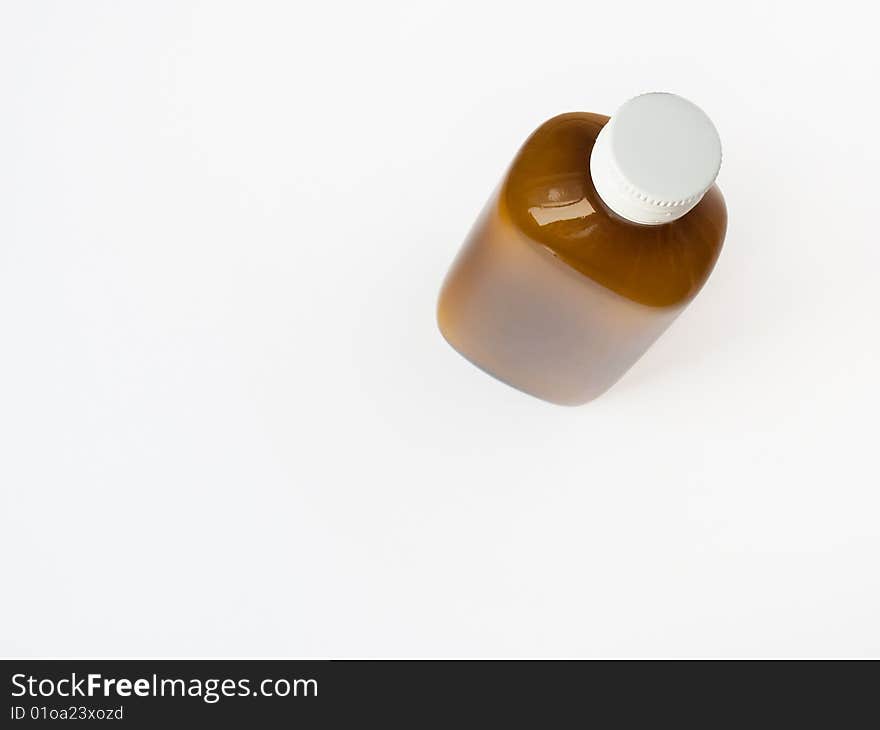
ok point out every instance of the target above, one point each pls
(555, 294)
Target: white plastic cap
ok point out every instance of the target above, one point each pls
(656, 158)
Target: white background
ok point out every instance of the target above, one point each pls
(229, 425)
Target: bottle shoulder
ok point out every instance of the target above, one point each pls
(549, 195)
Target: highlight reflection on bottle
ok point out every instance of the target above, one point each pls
(598, 236)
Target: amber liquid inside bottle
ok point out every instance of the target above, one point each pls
(556, 294)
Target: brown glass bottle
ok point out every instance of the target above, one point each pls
(556, 294)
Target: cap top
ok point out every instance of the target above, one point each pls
(656, 158)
